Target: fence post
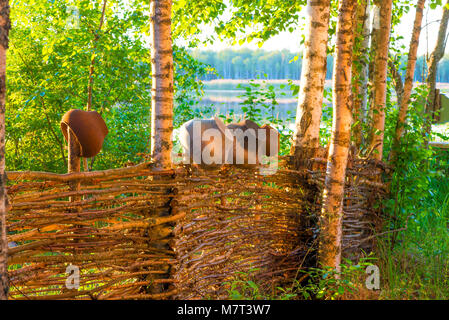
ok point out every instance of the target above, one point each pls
(74, 165)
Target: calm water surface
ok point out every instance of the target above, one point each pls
(228, 102)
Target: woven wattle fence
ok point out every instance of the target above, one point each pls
(138, 233)
(241, 222)
(116, 231)
(362, 210)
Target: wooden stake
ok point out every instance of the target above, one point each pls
(74, 161)
(85, 165)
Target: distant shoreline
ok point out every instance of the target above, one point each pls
(327, 84)
(248, 80)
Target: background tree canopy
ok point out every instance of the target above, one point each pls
(53, 43)
(284, 64)
(51, 47)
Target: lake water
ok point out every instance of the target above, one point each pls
(228, 103)
(223, 97)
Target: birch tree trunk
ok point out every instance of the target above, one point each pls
(313, 74)
(435, 57)
(397, 80)
(373, 50)
(162, 82)
(161, 111)
(360, 67)
(5, 25)
(332, 210)
(406, 91)
(380, 78)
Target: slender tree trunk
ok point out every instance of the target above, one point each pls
(404, 94)
(360, 67)
(332, 211)
(161, 108)
(162, 82)
(5, 25)
(380, 78)
(313, 75)
(92, 62)
(91, 72)
(435, 57)
(398, 85)
(375, 25)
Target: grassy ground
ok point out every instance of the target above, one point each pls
(415, 263)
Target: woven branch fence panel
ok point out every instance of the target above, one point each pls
(362, 211)
(241, 222)
(137, 233)
(115, 228)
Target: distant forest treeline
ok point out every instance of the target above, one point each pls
(250, 64)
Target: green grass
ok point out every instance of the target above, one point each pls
(415, 264)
